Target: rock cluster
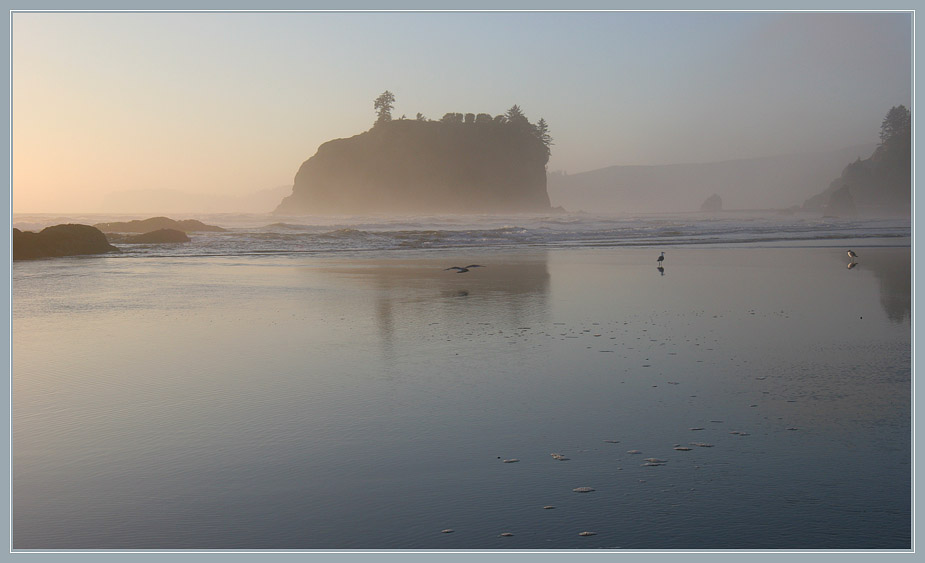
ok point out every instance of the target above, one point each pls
(157, 223)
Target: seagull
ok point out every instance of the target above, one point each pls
(661, 258)
(464, 269)
(852, 255)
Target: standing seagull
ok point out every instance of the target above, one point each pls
(465, 269)
(661, 259)
(852, 255)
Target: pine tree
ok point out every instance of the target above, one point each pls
(383, 106)
(542, 133)
(896, 124)
(515, 115)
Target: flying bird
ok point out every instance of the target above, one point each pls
(464, 269)
(661, 258)
(852, 255)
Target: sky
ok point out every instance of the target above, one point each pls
(229, 104)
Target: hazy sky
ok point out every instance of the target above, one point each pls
(233, 103)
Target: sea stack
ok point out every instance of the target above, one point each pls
(460, 164)
(712, 204)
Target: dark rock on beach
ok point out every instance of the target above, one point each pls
(155, 224)
(60, 240)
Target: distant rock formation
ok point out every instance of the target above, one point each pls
(60, 240)
(841, 204)
(154, 237)
(768, 183)
(712, 203)
(157, 223)
(879, 185)
(471, 164)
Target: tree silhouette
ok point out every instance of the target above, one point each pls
(896, 125)
(542, 133)
(383, 106)
(515, 115)
(452, 118)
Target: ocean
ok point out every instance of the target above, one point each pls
(300, 383)
(265, 234)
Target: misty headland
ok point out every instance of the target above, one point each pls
(476, 163)
(479, 163)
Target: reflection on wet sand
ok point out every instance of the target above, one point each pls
(893, 269)
(515, 289)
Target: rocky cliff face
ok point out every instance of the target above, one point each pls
(410, 167)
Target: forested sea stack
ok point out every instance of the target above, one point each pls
(464, 163)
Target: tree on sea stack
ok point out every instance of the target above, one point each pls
(542, 133)
(383, 106)
(515, 115)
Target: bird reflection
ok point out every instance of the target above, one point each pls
(854, 259)
(661, 270)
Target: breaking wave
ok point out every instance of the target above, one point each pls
(265, 234)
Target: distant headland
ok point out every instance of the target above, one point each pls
(463, 163)
(879, 185)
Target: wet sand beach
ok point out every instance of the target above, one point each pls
(371, 403)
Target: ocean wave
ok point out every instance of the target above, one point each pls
(256, 235)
